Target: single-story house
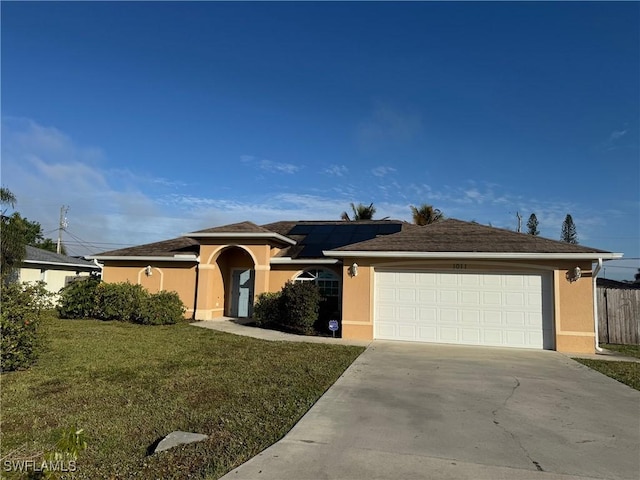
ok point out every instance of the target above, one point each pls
(54, 269)
(448, 282)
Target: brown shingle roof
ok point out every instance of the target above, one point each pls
(446, 236)
(457, 236)
(314, 236)
(242, 227)
(166, 248)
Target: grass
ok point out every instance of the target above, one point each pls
(129, 385)
(627, 350)
(624, 372)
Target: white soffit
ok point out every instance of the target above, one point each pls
(485, 255)
(303, 261)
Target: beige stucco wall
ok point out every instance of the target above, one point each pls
(179, 277)
(574, 314)
(573, 301)
(218, 260)
(54, 278)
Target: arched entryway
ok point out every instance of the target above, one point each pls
(236, 274)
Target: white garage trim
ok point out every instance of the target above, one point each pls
(473, 255)
(497, 308)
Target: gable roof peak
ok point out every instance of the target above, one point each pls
(239, 227)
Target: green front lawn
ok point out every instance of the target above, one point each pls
(625, 372)
(128, 385)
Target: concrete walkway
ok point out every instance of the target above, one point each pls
(419, 411)
(238, 326)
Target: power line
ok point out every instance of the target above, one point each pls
(99, 243)
(82, 242)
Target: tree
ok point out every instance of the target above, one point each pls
(18, 232)
(426, 214)
(569, 233)
(360, 212)
(13, 243)
(34, 237)
(7, 199)
(532, 225)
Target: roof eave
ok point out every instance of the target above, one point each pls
(60, 264)
(303, 261)
(260, 235)
(150, 258)
(479, 255)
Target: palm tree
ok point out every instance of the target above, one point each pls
(13, 244)
(426, 214)
(360, 212)
(7, 198)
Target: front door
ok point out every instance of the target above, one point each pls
(242, 293)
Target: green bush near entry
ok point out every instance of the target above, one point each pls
(162, 308)
(300, 305)
(295, 308)
(267, 309)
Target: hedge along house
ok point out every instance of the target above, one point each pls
(448, 282)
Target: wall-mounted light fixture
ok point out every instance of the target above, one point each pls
(574, 274)
(353, 270)
(148, 271)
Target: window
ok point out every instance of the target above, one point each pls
(327, 281)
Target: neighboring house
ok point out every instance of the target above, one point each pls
(55, 270)
(448, 282)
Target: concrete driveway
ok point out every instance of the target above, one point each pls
(413, 411)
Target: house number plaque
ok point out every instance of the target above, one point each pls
(459, 266)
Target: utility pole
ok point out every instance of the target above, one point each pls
(61, 226)
(519, 221)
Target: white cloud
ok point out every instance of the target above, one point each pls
(276, 167)
(616, 134)
(109, 205)
(383, 171)
(336, 170)
(46, 169)
(269, 165)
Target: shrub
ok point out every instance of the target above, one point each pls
(267, 310)
(300, 306)
(162, 308)
(78, 299)
(120, 301)
(22, 308)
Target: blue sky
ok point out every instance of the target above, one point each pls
(152, 119)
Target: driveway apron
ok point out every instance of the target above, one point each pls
(405, 410)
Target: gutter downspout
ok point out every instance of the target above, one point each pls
(594, 274)
(195, 296)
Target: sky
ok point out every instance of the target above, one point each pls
(153, 119)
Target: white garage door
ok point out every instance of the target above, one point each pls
(506, 309)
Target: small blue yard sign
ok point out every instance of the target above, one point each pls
(333, 325)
